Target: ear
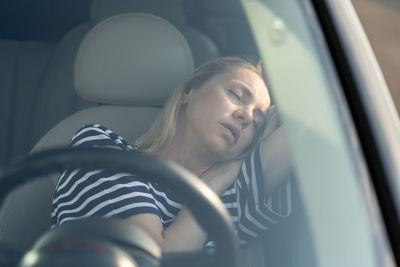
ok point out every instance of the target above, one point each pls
(186, 95)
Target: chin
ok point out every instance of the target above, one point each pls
(229, 154)
(222, 150)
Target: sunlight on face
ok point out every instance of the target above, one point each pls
(223, 115)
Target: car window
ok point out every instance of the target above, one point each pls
(335, 219)
(339, 206)
(381, 20)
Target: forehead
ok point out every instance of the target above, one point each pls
(249, 81)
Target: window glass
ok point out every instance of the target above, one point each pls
(339, 208)
(381, 20)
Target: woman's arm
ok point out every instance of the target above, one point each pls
(275, 160)
(185, 234)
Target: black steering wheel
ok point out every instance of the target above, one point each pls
(108, 242)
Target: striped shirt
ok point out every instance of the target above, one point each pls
(104, 193)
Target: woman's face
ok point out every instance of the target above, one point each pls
(223, 115)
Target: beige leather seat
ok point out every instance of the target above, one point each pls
(202, 47)
(123, 64)
(56, 98)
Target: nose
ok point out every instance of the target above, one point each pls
(243, 116)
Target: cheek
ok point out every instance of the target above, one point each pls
(199, 114)
(209, 107)
(247, 139)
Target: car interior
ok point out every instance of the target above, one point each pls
(61, 94)
(70, 63)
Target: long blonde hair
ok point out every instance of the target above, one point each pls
(162, 131)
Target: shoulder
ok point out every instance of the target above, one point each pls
(96, 135)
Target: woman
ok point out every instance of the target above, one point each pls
(212, 125)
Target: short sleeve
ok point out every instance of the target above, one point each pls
(96, 135)
(257, 210)
(81, 194)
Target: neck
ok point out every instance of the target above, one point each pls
(186, 157)
(185, 151)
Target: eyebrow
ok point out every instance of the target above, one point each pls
(243, 87)
(246, 90)
(257, 111)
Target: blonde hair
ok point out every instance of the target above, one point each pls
(162, 131)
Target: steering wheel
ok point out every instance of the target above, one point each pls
(113, 242)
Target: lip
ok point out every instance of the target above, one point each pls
(233, 130)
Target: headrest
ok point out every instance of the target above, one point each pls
(131, 59)
(171, 10)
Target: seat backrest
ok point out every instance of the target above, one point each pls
(124, 64)
(203, 47)
(56, 97)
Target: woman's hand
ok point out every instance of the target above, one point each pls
(184, 234)
(221, 175)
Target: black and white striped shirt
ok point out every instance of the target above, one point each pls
(104, 193)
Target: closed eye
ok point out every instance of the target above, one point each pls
(236, 95)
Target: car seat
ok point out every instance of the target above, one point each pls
(203, 47)
(124, 65)
(56, 97)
